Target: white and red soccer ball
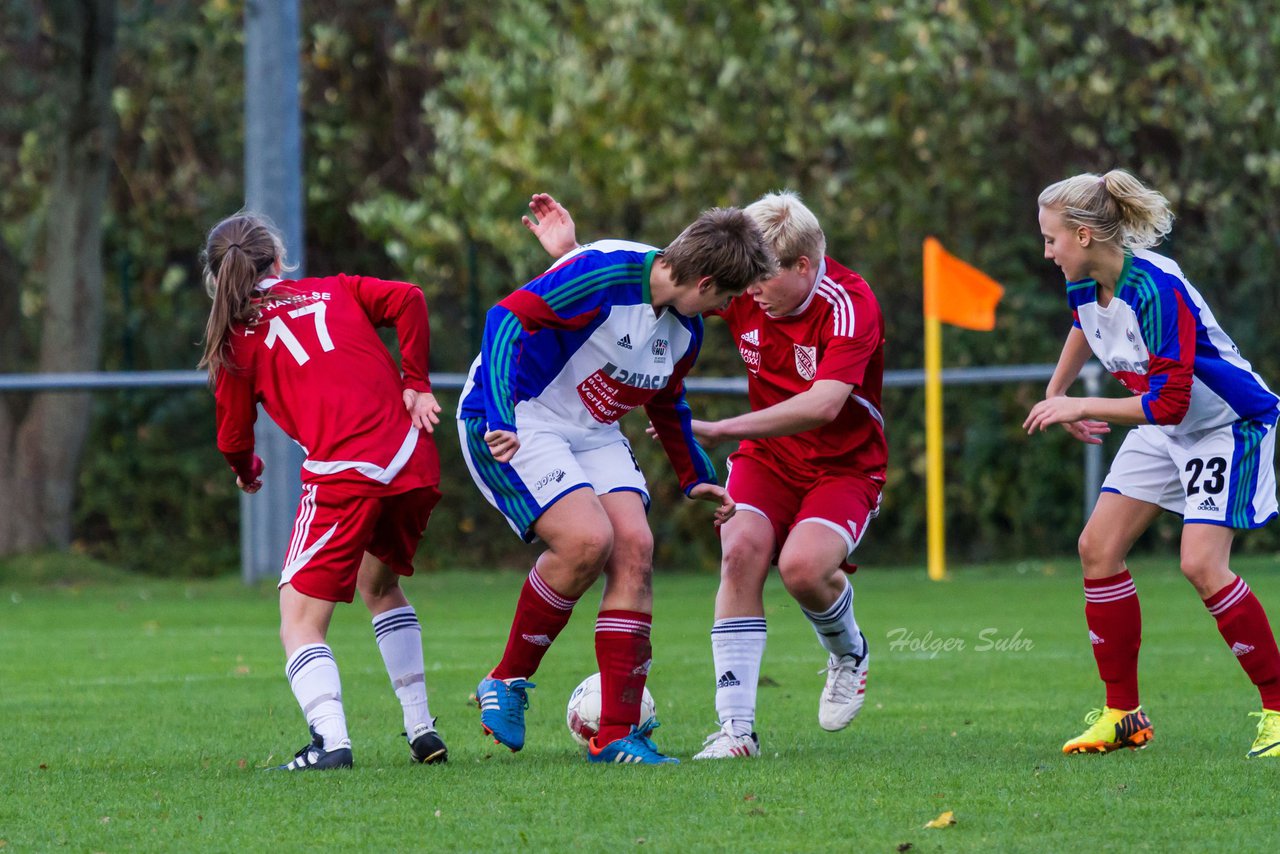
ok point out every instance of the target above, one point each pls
(583, 714)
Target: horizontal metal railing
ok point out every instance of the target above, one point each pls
(89, 381)
(1091, 376)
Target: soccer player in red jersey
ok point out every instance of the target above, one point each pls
(309, 352)
(810, 466)
(1203, 443)
(613, 326)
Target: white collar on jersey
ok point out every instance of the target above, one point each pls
(813, 289)
(267, 283)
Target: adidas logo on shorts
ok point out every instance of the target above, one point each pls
(1208, 506)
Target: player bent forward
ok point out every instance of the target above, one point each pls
(612, 326)
(810, 467)
(1204, 447)
(307, 350)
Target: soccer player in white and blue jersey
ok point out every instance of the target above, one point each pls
(612, 326)
(1204, 445)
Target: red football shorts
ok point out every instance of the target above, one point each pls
(334, 530)
(845, 503)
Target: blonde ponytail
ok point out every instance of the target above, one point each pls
(1116, 207)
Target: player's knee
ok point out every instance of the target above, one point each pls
(375, 594)
(588, 550)
(1198, 572)
(1095, 554)
(634, 550)
(741, 557)
(803, 578)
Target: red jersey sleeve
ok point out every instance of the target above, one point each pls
(402, 305)
(236, 410)
(848, 352)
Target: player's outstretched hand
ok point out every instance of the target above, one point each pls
(551, 224)
(1088, 431)
(503, 444)
(715, 495)
(423, 409)
(1069, 412)
(255, 483)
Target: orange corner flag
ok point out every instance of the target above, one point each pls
(956, 292)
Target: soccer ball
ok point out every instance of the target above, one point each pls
(583, 714)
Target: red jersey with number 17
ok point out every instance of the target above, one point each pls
(312, 357)
(837, 334)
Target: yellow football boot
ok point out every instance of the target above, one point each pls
(1110, 729)
(1268, 741)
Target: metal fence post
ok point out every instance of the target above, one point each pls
(273, 186)
(1092, 377)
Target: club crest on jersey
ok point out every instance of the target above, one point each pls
(806, 361)
(659, 347)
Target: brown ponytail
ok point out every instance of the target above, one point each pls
(239, 253)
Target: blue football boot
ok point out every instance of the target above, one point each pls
(502, 705)
(633, 749)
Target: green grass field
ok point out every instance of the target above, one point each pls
(139, 712)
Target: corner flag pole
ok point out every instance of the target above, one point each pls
(969, 301)
(933, 416)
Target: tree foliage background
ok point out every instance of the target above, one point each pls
(428, 125)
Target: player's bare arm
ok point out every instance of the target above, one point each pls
(1075, 353)
(424, 410)
(551, 224)
(815, 407)
(1075, 410)
(503, 444)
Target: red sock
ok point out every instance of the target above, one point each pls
(540, 615)
(1244, 626)
(624, 653)
(1115, 630)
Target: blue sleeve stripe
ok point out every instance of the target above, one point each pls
(501, 368)
(699, 457)
(708, 467)
(1152, 320)
(576, 289)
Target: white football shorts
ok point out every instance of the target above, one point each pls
(1224, 476)
(547, 467)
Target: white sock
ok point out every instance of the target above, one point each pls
(737, 647)
(836, 628)
(313, 676)
(399, 637)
